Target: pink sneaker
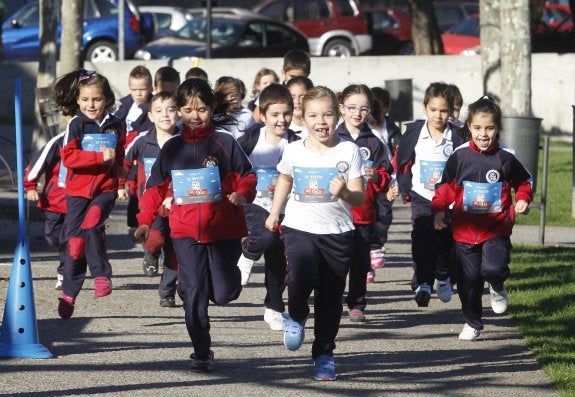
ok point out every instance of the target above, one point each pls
(66, 306)
(377, 258)
(102, 286)
(370, 277)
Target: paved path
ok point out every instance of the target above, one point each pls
(126, 345)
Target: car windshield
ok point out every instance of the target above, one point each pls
(469, 27)
(224, 31)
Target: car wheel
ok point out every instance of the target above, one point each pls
(338, 48)
(102, 51)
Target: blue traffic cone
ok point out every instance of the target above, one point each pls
(19, 333)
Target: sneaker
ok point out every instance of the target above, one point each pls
(59, 280)
(443, 290)
(469, 333)
(66, 306)
(274, 319)
(204, 365)
(102, 286)
(422, 295)
(377, 258)
(498, 300)
(370, 278)
(324, 368)
(150, 265)
(357, 316)
(168, 301)
(245, 266)
(294, 333)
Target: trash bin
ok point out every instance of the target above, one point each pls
(522, 135)
(401, 92)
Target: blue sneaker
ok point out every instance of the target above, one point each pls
(293, 333)
(324, 368)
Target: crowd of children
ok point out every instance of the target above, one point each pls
(302, 176)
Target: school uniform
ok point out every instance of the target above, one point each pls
(264, 157)
(91, 192)
(317, 231)
(204, 167)
(480, 185)
(420, 162)
(373, 152)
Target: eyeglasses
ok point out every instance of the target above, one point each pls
(86, 74)
(364, 111)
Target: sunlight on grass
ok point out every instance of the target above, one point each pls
(542, 305)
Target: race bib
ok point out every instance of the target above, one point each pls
(98, 142)
(431, 171)
(267, 178)
(201, 185)
(481, 198)
(62, 175)
(148, 163)
(311, 185)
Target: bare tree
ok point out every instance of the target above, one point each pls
(490, 33)
(425, 33)
(71, 48)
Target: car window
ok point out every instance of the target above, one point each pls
(225, 31)
(382, 21)
(471, 9)
(90, 12)
(29, 16)
(311, 9)
(449, 16)
(253, 36)
(345, 8)
(469, 27)
(277, 34)
(107, 8)
(163, 21)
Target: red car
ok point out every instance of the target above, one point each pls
(463, 38)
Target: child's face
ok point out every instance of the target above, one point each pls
(265, 80)
(290, 74)
(320, 118)
(277, 118)
(92, 102)
(196, 114)
(164, 114)
(455, 114)
(167, 86)
(483, 130)
(437, 112)
(297, 92)
(355, 110)
(140, 89)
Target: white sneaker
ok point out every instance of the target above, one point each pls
(443, 289)
(498, 300)
(59, 281)
(245, 266)
(274, 319)
(469, 333)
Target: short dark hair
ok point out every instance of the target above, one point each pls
(297, 59)
(196, 72)
(167, 73)
(275, 94)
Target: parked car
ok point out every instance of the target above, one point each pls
(335, 28)
(20, 36)
(166, 19)
(390, 30)
(235, 34)
(450, 14)
(463, 38)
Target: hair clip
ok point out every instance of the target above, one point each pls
(86, 74)
(487, 97)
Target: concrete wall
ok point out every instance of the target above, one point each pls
(553, 79)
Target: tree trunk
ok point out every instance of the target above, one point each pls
(424, 29)
(490, 47)
(72, 27)
(515, 58)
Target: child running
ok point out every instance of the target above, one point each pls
(93, 153)
(212, 179)
(324, 175)
(421, 157)
(479, 177)
(356, 104)
(265, 146)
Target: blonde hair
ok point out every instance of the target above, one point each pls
(261, 73)
(320, 92)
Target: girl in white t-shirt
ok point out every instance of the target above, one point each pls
(320, 176)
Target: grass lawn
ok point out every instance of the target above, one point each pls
(542, 305)
(559, 189)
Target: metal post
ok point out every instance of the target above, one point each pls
(573, 182)
(209, 29)
(543, 204)
(121, 51)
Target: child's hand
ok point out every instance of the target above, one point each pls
(237, 199)
(167, 203)
(393, 192)
(439, 221)
(272, 222)
(109, 154)
(142, 233)
(522, 207)
(337, 186)
(33, 195)
(122, 194)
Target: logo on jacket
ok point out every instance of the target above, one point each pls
(365, 153)
(492, 176)
(211, 161)
(342, 167)
(447, 150)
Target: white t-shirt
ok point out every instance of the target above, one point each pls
(265, 158)
(310, 207)
(430, 159)
(132, 116)
(300, 130)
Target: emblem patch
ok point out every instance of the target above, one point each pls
(492, 176)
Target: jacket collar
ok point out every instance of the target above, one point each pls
(491, 150)
(198, 134)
